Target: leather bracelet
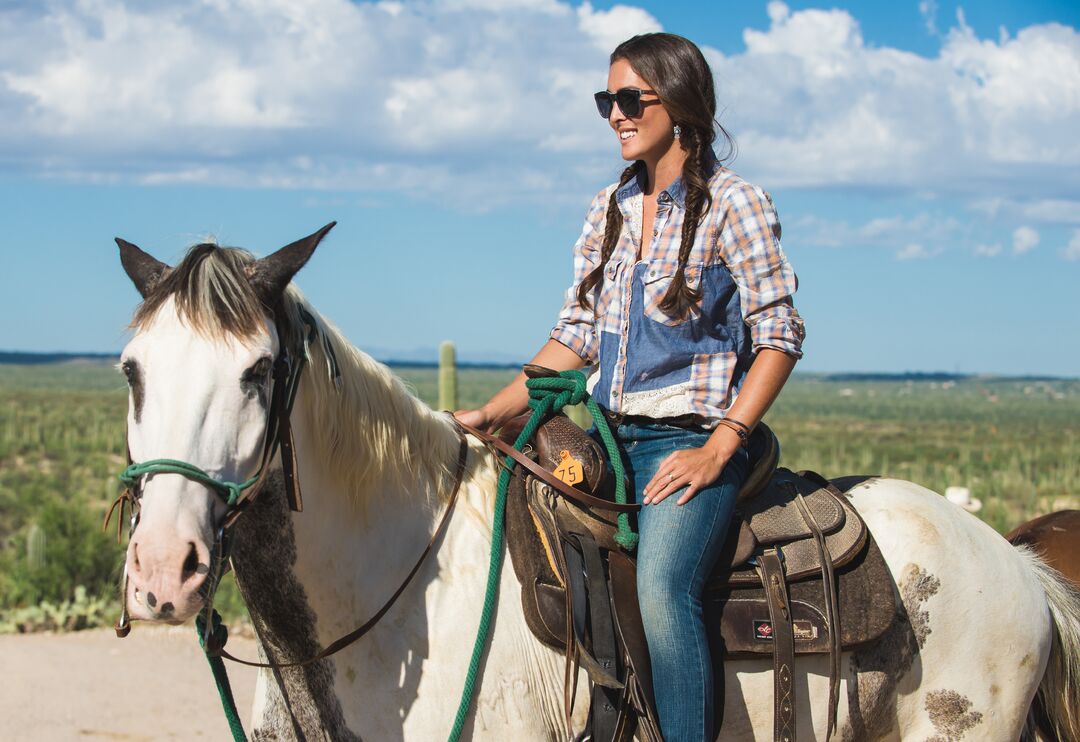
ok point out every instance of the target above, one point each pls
(740, 430)
(741, 424)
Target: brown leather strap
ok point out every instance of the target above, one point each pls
(771, 570)
(822, 482)
(574, 495)
(352, 636)
(287, 449)
(832, 619)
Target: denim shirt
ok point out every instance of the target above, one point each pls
(645, 362)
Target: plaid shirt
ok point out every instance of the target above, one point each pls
(647, 363)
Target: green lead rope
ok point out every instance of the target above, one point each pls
(546, 396)
(231, 491)
(221, 677)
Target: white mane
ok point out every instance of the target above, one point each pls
(368, 425)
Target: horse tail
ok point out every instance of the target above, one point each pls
(1055, 712)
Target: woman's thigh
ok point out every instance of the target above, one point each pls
(680, 543)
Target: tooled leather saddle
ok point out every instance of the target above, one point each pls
(800, 574)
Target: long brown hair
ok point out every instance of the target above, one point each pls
(677, 70)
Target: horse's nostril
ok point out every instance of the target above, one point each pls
(191, 563)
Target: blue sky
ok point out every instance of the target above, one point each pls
(923, 158)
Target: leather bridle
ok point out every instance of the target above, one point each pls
(287, 369)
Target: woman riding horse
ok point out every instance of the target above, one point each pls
(681, 303)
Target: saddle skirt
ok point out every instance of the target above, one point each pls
(798, 523)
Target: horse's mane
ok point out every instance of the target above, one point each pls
(367, 425)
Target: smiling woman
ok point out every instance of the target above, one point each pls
(681, 304)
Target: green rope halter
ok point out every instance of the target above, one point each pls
(547, 395)
(230, 491)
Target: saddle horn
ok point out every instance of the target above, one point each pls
(143, 269)
(270, 275)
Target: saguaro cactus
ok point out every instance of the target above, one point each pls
(448, 387)
(35, 547)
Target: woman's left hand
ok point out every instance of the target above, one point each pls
(692, 468)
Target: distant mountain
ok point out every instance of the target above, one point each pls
(429, 357)
(414, 357)
(37, 359)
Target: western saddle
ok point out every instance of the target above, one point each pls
(800, 574)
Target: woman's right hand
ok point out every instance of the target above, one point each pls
(513, 399)
(480, 419)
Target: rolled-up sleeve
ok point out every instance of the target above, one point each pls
(749, 244)
(576, 327)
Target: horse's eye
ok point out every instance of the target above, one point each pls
(130, 369)
(260, 372)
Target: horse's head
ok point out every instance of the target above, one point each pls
(200, 369)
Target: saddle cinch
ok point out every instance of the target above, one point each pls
(800, 574)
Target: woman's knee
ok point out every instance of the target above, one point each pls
(663, 589)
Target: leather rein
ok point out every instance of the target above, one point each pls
(496, 445)
(582, 499)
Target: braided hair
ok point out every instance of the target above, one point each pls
(677, 70)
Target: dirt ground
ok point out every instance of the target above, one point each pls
(89, 685)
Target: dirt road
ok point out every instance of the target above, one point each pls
(153, 685)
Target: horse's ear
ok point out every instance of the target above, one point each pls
(143, 269)
(270, 275)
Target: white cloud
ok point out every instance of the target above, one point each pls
(812, 104)
(893, 232)
(1025, 239)
(928, 10)
(1072, 251)
(478, 94)
(609, 28)
(441, 99)
(912, 251)
(1045, 210)
(988, 251)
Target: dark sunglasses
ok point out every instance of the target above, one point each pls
(629, 100)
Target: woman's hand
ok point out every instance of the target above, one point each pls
(481, 419)
(513, 399)
(692, 468)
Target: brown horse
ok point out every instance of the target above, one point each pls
(1056, 538)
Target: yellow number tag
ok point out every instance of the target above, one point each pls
(569, 469)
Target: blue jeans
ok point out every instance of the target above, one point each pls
(678, 548)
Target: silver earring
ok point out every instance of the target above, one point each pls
(678, 131)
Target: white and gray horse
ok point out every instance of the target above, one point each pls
(983, 627)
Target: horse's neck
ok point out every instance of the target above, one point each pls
(310, 577)
(357, 537)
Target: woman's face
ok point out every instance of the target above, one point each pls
(650, 135)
